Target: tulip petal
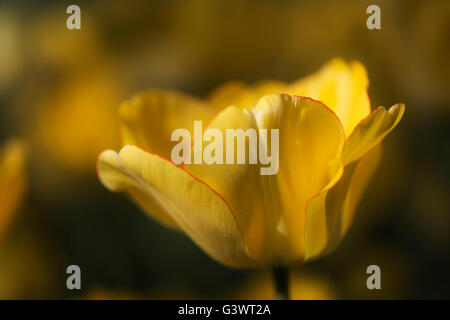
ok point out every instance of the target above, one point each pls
(311, 141)
(237, 183)
(311, 145)
(149, 118)
(330, 213)
(340, 86)
(114, 175)
(371, 131)
(194, 206)
(240, 94)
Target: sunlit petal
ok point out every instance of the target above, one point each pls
(190, 203)
(371, 131)
(311, 144)
(342, 87)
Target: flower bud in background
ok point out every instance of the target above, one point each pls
(12, 181)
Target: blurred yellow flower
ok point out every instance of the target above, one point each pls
(12, 180)
(303, 286)
(68, 121)
(28, 264)
(328, 151)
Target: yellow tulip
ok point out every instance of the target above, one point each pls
(12, 181)
(328, 149)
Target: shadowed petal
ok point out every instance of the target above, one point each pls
(149, 118)
(330, 213)
(240, 94)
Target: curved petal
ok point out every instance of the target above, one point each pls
(237, 183)
(271, 208)
(340, 86)
(371, 131)
(310, 150)
(149, 118)
(195, 207)
(115, 176)
(330, 213)
(240, 94)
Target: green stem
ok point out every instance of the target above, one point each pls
(281, 279)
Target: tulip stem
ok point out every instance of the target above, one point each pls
(281, 279)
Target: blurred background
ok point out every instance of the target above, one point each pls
(59, 92)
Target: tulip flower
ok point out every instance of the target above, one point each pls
(303, 286)
(12, 181)
(328, 149)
